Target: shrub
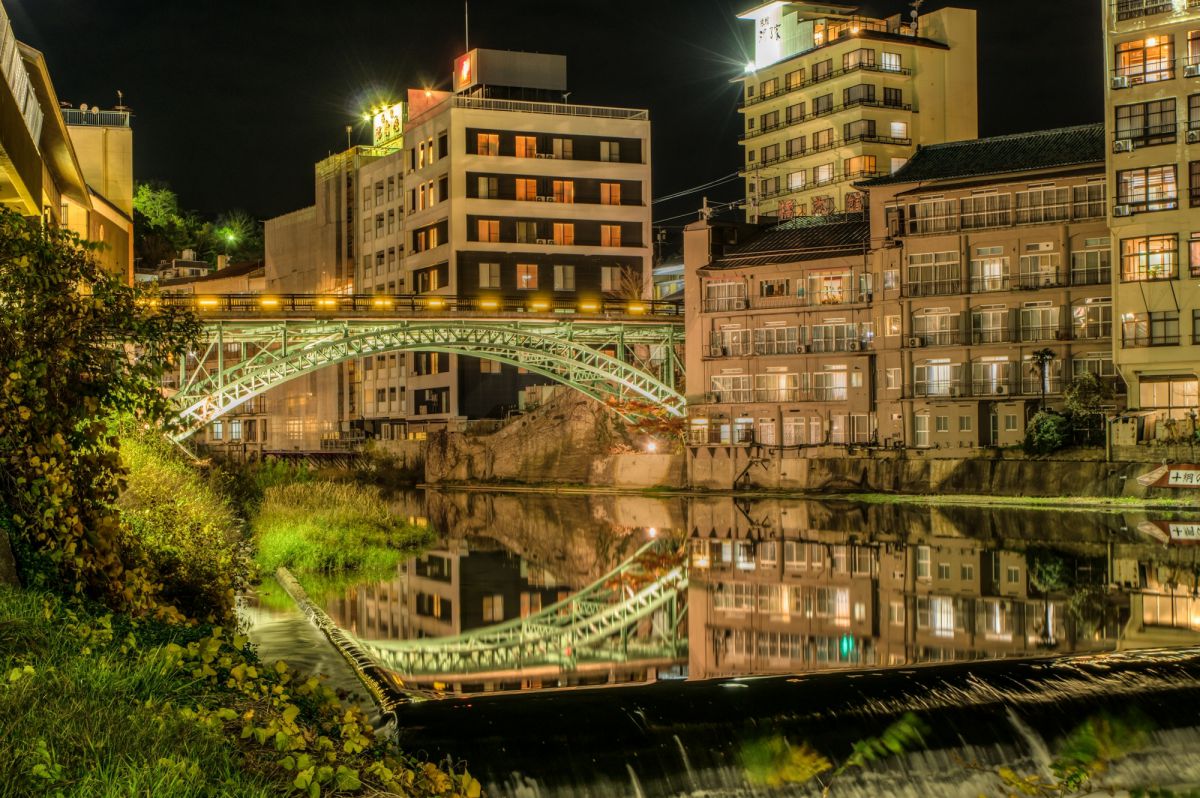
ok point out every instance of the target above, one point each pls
(180, 528)
(1047, 432)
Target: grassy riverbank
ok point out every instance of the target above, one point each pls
(95, 702)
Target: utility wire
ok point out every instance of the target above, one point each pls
(710, 184)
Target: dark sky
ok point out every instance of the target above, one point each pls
(234, 100)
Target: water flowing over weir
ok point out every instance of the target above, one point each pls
(699, 738)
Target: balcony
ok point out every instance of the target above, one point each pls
(1137, 138)
(831, 145)
(824, 78)
(779, 395)
(838, 345)
(998, 387)
(1031, 384)
(933, 287)
(824, 111)
(725, 304)
(829, 394)
(1092, 331)
(730, 396)
(1143, 341)
(776, 348)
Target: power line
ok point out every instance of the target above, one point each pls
(710, 184)
(719, 207)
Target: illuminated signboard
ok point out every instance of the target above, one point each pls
(388, 123)
(465, 70)
(1183, 475)
(768, 33)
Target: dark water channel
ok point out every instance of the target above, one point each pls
(871, 649)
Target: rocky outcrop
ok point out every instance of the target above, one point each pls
(570, 440)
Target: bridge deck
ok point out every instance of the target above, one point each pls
(426, 307)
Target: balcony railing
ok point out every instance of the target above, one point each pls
(725, 304)
(933, 287)
(991, 335)
(828, 76)
(1032, 280)
(776, 347)
(717, 348)
(1091, 276)
(731, 395)
(938, 337)
(838, 345)
(986, 284)
(1047, 332)
(829, 394)
(991, 387)
(1140, 341)
(864, 102)
(1093, 331)
(779, 395)
(1132, 9)
(834, 144)
(941, 388)
(1031, 385)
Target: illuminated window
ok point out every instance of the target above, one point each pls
(1146, 60)
(610, 193)
(564, 278)
(822, 104)
(564, 149)
(899, 130)
(489, 230)
(1149, 258)
(793, 79)
(487, 143)
(489, 275)
(859, 129)
(795, 180)
(218, 430)
(527, 276)
(858, 58)
(610, 235)
(421, 155)
(1156, 328)
(823, 173)
(1147, 124)
(863, 93)
(489, 366)
(890, 62)
(564, 191)
(526, 189)
(822, 70)
(564, 233)
(822, 139)
(526, 147)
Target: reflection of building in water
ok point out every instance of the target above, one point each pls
(775, 589)
(1166, 610)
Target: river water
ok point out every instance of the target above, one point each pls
(959, 650)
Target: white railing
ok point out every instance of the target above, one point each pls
(17, 79)
(95, 117)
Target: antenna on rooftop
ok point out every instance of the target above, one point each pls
(466, 26)
(915, 13)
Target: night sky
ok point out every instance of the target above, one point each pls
(234, 100)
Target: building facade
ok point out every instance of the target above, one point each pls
(972, 293)
(833, 97)
(1152, 53)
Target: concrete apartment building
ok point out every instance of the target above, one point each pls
(833, 97)
(912, 326)
(514, 193)
(1152, 121)
(51, 166)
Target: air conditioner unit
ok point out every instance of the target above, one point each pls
(1062, 335)
(802, 349)
(1120, 82)
(1001, 390)
(545, 240)
(1122, 210)
(915, 342)
(1193, 137)
(1123, 145)
(955, 390)
(1191, 70)
(855, 346)
(864, 297)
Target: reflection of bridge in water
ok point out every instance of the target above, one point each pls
(621, 352)
(632, 617)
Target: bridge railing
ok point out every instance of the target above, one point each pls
(416, 305)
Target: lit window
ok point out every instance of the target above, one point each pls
(564, 191)
(526, 147)
(610, 235)
(487, 143)
(527, 276)
(564, 233)
(526, 189)
(610, 193)
(489, 230)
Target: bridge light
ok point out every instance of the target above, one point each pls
(207, 302)
(489, 304)
(382, 302)
(540, 305)
(651, 447)
(327, 302)
(435, 303)
(269, 302)
(652, 532)
(588, 307)
(637, 307)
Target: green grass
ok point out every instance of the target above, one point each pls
(332, 534)
(97, 714)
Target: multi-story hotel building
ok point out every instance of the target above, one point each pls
(52, 164)
(832, 97)
(514, 193)
(915, 325)
(1152, 101)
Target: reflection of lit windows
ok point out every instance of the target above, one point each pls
(744, 556)
(941, 610)
(896, 613)
(493, 607)
(218, 430)
(1014, 574)
(923, 562)
(943, 570)
(527, 276)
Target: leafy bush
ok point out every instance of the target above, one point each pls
(331, 529)
(1047, 432)
(180, 528)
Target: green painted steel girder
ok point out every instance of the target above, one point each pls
(572, 353)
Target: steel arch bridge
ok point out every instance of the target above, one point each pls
(617, 351)
(593, 625)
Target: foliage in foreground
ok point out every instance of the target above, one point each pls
(332, 529)
(146, 708)
(65, 369)
(1047, 432)
(185, 533)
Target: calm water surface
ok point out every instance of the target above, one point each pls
(874, 615)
